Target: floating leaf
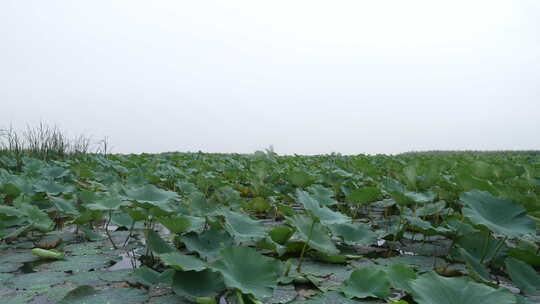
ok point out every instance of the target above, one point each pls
(431, 288)
(83, 263)
(26, 281)
(182, 262)
(87, 294)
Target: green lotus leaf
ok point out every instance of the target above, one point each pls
(460, 226)
(193, 285)
(364, 195)
(258, 204)
(249, 271)
(18, 256)
(527, 252)
(156, 243)
(121, 275)
(523, 275)
(85, 278)
(91, 235)
(431, 288)
(171, 299)
(401, 276)
(54, 172)
(354, 233)
(26, 281)
(401, 199)
(182, 262)
(9, 267)
(65, 206)
(176, 224)
(430, 209)
(186, 188)
(200, 206)
(468, 182)
(83, 263)
(323, 195)
(312, 232)
(480, 248)
(424, 225)
(52, 188)
(331, 297)
(501, 216)
(300, 178)
(282, 294)
(281, 234)
(419, 262)
(87, 294)
(124, 220)
(523, 300)
(10, 189)
(474, 264)
(421, 197)
(18, 299)
(208, 244)
(152, 195)
(107, 204)
(410, 173)
(367, 282)
(325, 215)
(391, 185)
(146, 276)
(37, 218)
(242, 227)
(227, 196)
(11, 211)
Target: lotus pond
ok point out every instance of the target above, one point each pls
(449, 228)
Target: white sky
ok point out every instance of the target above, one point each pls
(307, 77)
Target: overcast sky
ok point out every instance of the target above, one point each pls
(307, 77)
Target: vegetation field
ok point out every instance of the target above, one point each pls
(426, 228)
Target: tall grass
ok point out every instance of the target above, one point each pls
(45, 142)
